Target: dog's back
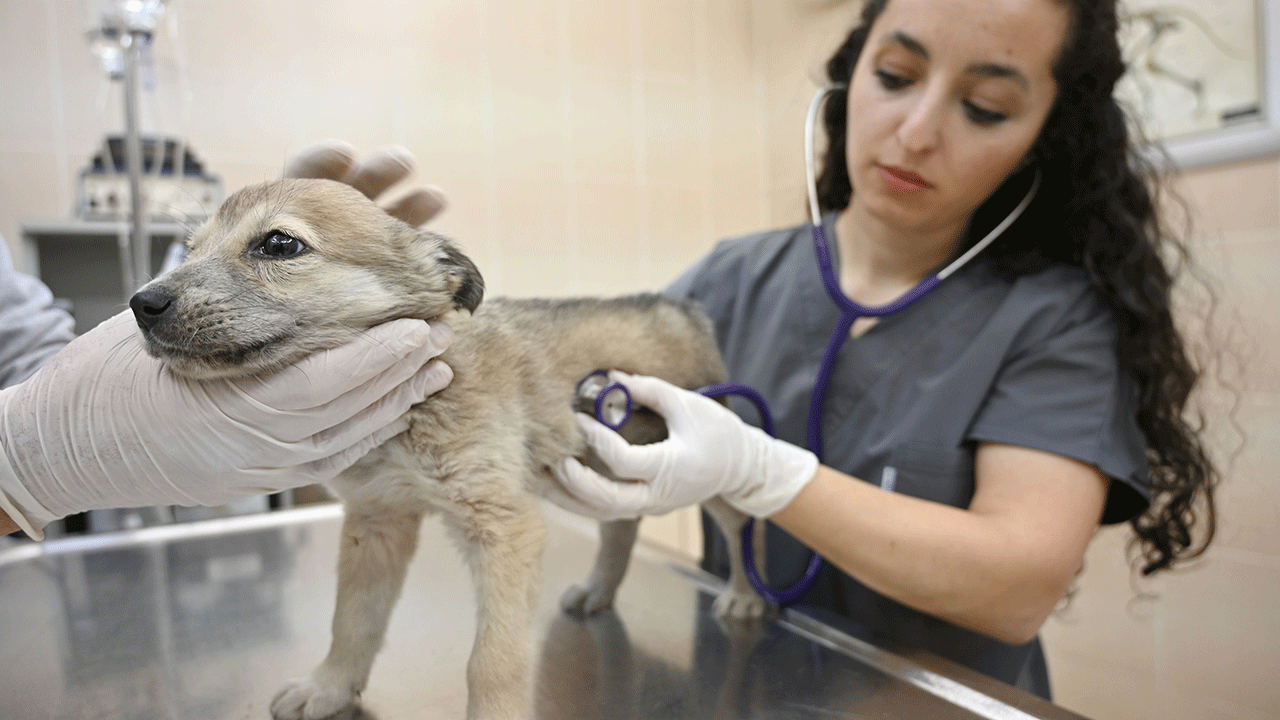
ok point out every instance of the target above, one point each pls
(516, 364)
(638, 334)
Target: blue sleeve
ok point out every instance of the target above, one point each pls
(32, 330)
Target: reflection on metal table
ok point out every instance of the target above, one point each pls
(206, 621)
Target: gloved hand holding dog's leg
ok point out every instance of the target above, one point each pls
(709, 452)
(104, 425)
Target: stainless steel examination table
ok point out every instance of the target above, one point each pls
(204, 621)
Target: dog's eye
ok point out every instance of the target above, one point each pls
(278, 245)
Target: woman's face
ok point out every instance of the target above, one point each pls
(947, 98)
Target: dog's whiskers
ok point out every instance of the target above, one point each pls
(188, 225)
(198, 202)
(364, 332)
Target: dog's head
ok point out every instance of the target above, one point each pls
(289, 267)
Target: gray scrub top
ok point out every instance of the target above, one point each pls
(1029, 362)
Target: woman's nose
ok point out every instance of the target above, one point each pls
(921, 127)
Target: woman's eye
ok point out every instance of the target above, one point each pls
(981, 115)
(276, 244)
(891, 81)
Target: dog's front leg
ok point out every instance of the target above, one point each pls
(597, 592)
(375, 553)
(738, 601)
(505, 549)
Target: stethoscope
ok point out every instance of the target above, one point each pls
(612, 400)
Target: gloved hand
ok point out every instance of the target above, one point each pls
(371, 175)
(104, 425)
(709, 451)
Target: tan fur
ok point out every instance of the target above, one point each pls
(479, 452)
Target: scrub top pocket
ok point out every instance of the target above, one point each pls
(930, 471)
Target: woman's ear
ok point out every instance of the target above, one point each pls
(1027, 161)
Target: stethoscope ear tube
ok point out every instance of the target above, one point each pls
(996, 232)
(810, 124)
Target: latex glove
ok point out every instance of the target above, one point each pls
(372, 175)
(709, 451)
(104, 425)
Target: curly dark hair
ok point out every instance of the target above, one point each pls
(1096, 209)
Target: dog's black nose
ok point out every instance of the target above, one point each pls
(149, 306)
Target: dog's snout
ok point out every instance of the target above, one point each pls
(149, 306)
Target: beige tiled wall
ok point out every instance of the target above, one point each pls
(1203, 645)
(596, 146)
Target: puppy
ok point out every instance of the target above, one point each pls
(289, 267)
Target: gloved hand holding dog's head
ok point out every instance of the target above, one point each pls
(103, 424)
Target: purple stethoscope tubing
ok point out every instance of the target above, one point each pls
(785, 596)
(782, 597)
(850, 311)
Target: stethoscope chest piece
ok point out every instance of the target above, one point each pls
(607, 401)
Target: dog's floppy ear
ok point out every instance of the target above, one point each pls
(464, 278)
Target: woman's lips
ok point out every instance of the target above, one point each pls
(900, 180)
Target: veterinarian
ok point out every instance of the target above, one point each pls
(94, 422)
(973, 441)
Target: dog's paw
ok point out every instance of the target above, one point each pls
(307, 699)
(587, 599)
(731, 605)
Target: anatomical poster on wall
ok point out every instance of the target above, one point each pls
(1195, 66)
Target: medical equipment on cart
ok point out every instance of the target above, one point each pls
(176, 187)
(612, 401)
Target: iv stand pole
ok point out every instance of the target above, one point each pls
(135, 258)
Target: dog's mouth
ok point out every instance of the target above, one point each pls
(222, 359)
